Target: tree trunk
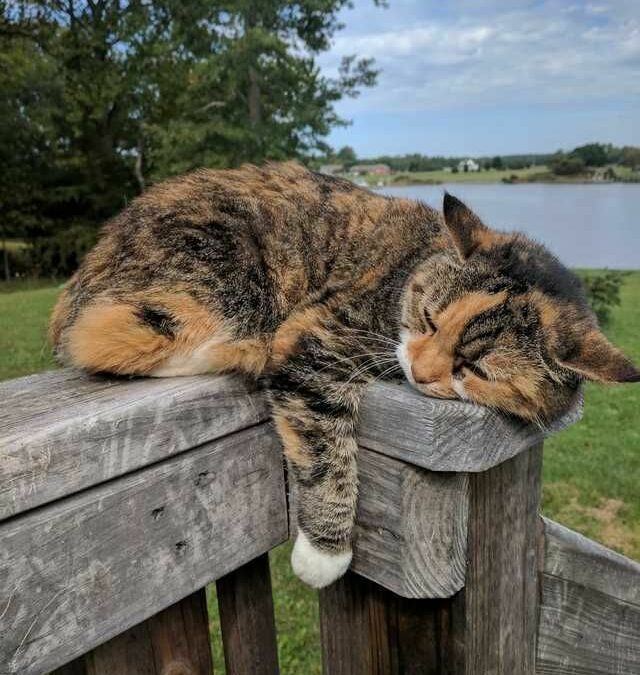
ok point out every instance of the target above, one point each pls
(5, 258)
(137, 167)
(253, 94)
(255, 113)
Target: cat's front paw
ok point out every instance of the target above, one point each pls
(316, 567)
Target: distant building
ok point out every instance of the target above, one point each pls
(468, 165)
(332, 169)
(373, 169)
(447, 169)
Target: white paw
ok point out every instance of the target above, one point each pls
(316, 567)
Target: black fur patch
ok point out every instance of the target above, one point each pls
(159, 320)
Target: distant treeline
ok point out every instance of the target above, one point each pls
(591, 155)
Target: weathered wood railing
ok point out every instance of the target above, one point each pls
(121, 499)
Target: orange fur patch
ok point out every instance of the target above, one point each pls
(432, 355)
(109, 336)
(293, 446)
(308, 321)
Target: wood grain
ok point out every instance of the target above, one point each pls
(411, 528)
(572, 556)
(500, 596)
(589, 609)
(61, 432)
(80, 571)
(368, 630)
(443, 435)
(247, 621)
(172, 642)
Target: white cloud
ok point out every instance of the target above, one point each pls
(548, 53)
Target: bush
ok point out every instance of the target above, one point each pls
(568, 166)
(603, 291)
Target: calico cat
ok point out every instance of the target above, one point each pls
(315, 285)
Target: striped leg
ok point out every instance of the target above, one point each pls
(314, 408)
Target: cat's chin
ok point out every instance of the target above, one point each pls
(315, 567)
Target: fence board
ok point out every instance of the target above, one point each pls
(175, 641)
(589, 608)
(411, 530)
(501, 594)
(443, 435)
(247, 621)
(62, 432)
(70, 584)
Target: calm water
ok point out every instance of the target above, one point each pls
(584, 225)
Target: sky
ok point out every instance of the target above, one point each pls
(488, 77)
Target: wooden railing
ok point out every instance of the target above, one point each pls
(121, 499)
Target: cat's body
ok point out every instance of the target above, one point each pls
(308, 282)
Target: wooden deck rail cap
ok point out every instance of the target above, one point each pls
(63, 431)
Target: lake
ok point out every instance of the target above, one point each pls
(584, 225)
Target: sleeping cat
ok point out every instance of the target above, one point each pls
(315, 286)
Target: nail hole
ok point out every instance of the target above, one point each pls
(201, 476)
(181, 547)
(157, 513)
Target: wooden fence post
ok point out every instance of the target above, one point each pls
(487, 628)
(173, 642)
(247, 621)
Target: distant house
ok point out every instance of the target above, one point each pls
(447, 169)
(468, 165)
(373, 169)
(332, 169)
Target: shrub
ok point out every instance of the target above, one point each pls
(603, 291)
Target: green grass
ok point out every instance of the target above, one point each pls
(23, 337)
(591, 471)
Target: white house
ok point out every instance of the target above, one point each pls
(468, 165)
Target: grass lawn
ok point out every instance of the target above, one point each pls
(591, 471)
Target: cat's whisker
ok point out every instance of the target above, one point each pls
(371, 335)
(362, 371)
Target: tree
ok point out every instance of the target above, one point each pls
(567, 165)
(497, 163)
(592, 154)
(631, 157)
(106, 96)
(346, 155)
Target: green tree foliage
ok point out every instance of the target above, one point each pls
(630, 156)
(567, 165)
(347, 155)
(592, 154)
(100, 97)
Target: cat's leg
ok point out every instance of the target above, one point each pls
(314, 409)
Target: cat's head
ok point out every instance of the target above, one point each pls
(496, 319)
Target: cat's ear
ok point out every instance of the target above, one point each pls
(597, 359)
(465, 228)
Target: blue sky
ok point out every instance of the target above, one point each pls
(483, 77)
